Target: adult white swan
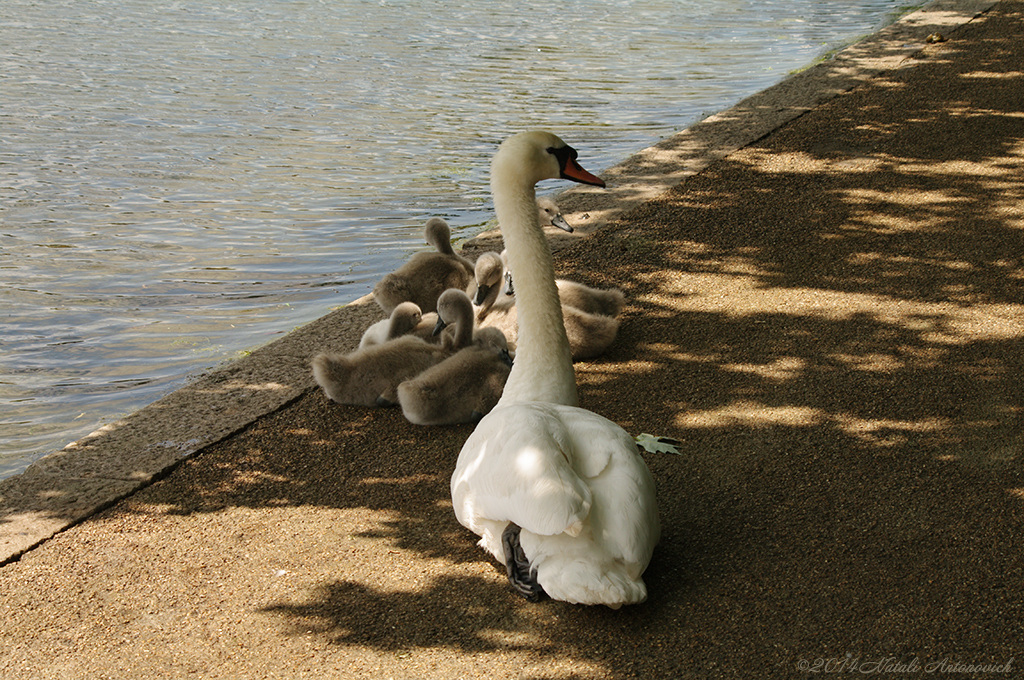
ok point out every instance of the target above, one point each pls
(557, 493)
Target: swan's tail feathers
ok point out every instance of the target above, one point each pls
(520, 574)
(490, 533)
(332, 373)
(581, 571)
(589, 582)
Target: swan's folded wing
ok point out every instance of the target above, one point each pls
(629, 528)
(594, 440)
(516, 467)
(625, 515)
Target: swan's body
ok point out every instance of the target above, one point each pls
(557, 493)
(589, 334)
(462, 388)
(426, 275)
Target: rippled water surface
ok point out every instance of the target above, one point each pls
(183, 181)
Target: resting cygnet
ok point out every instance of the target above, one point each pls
(404, 318)
(425, 275)
(550, 215)
(454, 320)
(462, 388)
(370, 376)
(603, 301)
(491, 292)
(589, 334)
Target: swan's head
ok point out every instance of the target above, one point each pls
(538, 155)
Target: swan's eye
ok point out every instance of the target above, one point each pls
(566, 155)
(563, 151)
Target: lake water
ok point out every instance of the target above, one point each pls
(183, 181)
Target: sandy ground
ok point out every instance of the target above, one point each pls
(830, 320)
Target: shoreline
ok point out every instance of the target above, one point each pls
(68, 486)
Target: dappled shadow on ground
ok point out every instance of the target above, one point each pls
(831, 328)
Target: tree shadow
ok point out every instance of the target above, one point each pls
(831, 329)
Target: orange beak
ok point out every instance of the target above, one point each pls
(574, 171)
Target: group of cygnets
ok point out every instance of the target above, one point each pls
(558, 494)
(447, 345)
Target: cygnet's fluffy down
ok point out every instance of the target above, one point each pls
(370, 376)
(406, 319)
(462, 388)
(490, 292)
(454, 320)
(603, 301)
(551, 215)
(425, 275)
(589, 335)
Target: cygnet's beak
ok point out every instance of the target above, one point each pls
(560, 222)
(481, 295)
(439, 326)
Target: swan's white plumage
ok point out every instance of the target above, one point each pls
(571, 479)
(575, 483)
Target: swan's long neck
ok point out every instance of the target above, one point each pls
(542, 370)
